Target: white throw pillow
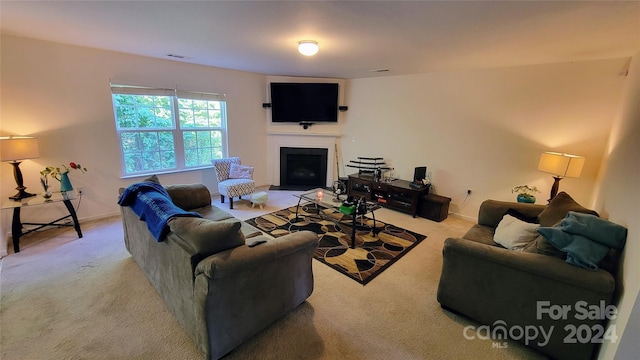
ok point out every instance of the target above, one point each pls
(515, 234)
(240, 172)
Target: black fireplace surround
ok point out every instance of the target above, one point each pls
(302, 168)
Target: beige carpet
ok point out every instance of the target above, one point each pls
(69, 298)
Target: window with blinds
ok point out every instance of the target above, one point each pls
(168, 130)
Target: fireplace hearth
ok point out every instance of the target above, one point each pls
(302, 168)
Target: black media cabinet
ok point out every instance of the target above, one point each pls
(397, 194)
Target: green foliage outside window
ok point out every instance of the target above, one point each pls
(148, 132)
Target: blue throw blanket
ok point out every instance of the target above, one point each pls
(585, 238)
(152, 203)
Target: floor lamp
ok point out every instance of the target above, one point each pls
(13, 149)
(560, 165)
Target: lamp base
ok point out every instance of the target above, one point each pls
(21, 195)
(555, 187)
(17, 174)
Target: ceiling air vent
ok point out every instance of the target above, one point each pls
(176, 56)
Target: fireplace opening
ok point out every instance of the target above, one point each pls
(303, 168)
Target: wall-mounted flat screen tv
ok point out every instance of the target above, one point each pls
(304, 102)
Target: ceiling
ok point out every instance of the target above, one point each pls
(356, 38)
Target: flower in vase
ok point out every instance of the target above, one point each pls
(55, 172)
(74, 166)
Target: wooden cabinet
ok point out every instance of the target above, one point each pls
(398, 194)
(359, 187)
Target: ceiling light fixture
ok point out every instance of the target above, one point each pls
(308, 47)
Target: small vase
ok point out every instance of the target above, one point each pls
(47, 194)
(522, 198)
(65, 184)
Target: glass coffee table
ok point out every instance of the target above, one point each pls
(326, 199)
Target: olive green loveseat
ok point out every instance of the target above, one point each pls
(533, 289)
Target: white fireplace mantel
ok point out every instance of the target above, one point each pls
(278, 140)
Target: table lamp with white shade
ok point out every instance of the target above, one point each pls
(14, 149)
(560, 165)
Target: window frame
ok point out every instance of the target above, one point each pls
(177, 130)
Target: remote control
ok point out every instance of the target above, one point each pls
(257, 242)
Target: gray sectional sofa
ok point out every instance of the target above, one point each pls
(531, 288)
(221, 290)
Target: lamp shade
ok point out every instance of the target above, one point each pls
(560, 164)
(14, 148)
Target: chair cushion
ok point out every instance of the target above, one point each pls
(223, 166)
(237, 171)
(236, 187)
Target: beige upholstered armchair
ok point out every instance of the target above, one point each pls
(234, 180)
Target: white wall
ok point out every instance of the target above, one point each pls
(484, 130)
(617, 199)
(61, 95)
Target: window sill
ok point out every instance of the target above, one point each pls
(177, 171)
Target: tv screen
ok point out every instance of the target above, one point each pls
(304, 102)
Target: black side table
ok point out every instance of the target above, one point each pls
(17, 224)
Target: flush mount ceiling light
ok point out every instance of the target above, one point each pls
(308, 47)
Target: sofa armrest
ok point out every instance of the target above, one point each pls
(240, 291)
(230, 262)
(492, 211)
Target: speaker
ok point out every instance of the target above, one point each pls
(343, 108)
(419, 173)
(266, 105)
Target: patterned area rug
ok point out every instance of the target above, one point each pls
(372, 253)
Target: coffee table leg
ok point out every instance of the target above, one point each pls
(297, 207)
(353, 229)
(374, 230)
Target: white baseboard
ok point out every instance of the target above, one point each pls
(464, 217)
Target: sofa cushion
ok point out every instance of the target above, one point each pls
(558, 208)
(153, 179)
(540, 245)
(185, 196)
(214, 213)
(521, 216)
(480, 234)
(206, 236)
(513, 233)
(189, 196)
(492, 211)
